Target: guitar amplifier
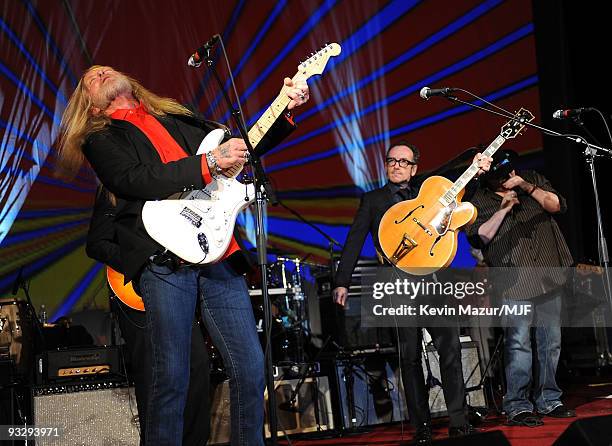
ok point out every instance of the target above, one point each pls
(343, 325)
(89, 413)
(377, 391)
(311, 411)
(70, 364)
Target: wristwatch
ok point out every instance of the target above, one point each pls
(212, 164)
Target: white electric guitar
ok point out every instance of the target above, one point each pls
(198, 227)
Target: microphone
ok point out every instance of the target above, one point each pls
(17, 282)
(196, 58)
(427, 92)
(570, 112)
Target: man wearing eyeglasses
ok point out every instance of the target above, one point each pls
(401, 166)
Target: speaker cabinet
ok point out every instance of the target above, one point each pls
(593, 431)
(376, 397)
(293, 419)
(313, 401)
(220, 413)
(470, 361)
(378, 394)
(88, 414)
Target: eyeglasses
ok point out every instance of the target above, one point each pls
(402, 163)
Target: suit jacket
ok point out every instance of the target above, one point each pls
(102, 244)
(372, 207)
(129, 166)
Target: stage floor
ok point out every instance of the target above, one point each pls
(589, 400)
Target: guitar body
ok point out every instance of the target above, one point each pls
(419, 236)
(125, 293)
(198, 228)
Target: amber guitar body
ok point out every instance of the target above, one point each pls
(419, 236)
(125, 293)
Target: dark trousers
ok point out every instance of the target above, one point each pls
(196, 426)
(446, 341)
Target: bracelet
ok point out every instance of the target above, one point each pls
(533, 189)
(212, 164)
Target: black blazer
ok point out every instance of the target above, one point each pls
(129, 166)
(102, 244)
(372, 207)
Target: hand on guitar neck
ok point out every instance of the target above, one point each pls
(297, 90)
(483, 162)
(230, 156)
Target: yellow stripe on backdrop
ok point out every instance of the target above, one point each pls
(58, 280)
(23, 254)
(22, 225)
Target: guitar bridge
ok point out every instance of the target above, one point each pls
(406, 245)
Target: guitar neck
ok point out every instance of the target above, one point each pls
(267, 120)
(269, 117)
(471, 171)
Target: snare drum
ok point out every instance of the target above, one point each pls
(16, 330)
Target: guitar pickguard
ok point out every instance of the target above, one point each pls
(443, 218)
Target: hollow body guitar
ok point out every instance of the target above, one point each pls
(198, 227)
(419, 236)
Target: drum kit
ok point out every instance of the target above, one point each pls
(290, 331)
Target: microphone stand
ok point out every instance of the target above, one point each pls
(602, 245)
(263, 190)
(590, 152)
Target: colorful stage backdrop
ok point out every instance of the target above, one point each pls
(367, 96)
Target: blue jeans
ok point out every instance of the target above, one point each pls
(545, 318)
(170, 300)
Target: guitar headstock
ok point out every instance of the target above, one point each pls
(316, 63)
(513, 128)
